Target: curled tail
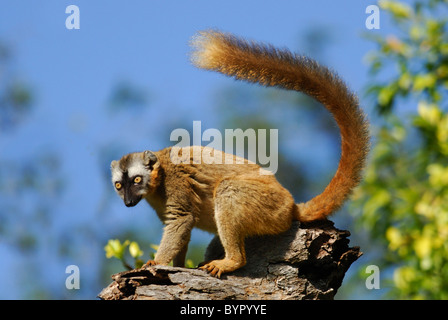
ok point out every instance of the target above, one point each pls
(269, 66)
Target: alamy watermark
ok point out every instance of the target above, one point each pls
(373, 20)
(373, 280)
(248, 146)
(73, 280)
(73, 21)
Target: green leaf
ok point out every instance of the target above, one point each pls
(134, 250)
(115, 248)
(398, 9)
(424, 81)
(430, 113)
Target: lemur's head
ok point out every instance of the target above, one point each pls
(132, 176)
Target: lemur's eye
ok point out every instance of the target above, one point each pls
(118, 185)
(137, 179)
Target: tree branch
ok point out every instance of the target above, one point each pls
(306, 262)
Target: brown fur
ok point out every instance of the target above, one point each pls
(269, 66)
(235, 200)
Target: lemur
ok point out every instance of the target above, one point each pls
(236, 201)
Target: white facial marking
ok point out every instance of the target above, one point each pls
(137, 169)
(116, 174)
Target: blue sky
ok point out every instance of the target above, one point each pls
(72, 73)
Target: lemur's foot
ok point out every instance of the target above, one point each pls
(218, 267)
(150, 263)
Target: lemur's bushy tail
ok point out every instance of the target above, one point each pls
(269, 66)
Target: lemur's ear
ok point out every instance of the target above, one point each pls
(113, 164)
(149, 158)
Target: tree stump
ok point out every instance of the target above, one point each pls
(306, 262)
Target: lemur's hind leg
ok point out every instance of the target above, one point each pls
(242, 208)
(233, 244)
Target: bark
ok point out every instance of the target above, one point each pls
(306, 262)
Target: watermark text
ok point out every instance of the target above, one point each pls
(240, 147)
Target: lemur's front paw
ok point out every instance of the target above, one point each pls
(150, 263)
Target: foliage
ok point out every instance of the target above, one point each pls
(15, 95)
(116, 249)
(404, 198)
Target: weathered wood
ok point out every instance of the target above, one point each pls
(306, 262)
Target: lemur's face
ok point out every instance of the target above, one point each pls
(131, 176)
